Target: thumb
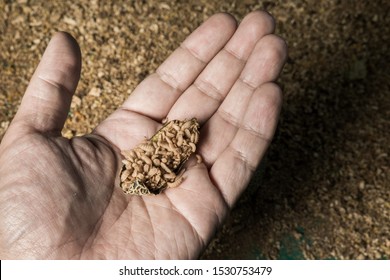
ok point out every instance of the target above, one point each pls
(46, 103)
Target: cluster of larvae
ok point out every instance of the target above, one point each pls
(157, 163)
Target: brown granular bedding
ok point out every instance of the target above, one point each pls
(323, 190)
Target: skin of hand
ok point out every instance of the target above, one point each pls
(59, 197)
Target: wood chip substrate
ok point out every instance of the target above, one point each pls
(323, 189)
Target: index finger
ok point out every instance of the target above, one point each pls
(156, 94)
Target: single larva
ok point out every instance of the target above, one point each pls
(193, 146)
(175, 183)
(146, 159)
(199, 159)
(157, 163)
(166, 168)
(149, 149)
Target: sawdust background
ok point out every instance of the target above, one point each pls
(323, 191)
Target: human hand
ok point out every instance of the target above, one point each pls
(59, 198)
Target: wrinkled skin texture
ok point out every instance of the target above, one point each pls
(59, 198)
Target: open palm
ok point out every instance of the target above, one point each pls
(59, 198)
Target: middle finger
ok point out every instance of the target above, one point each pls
(208, 91)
